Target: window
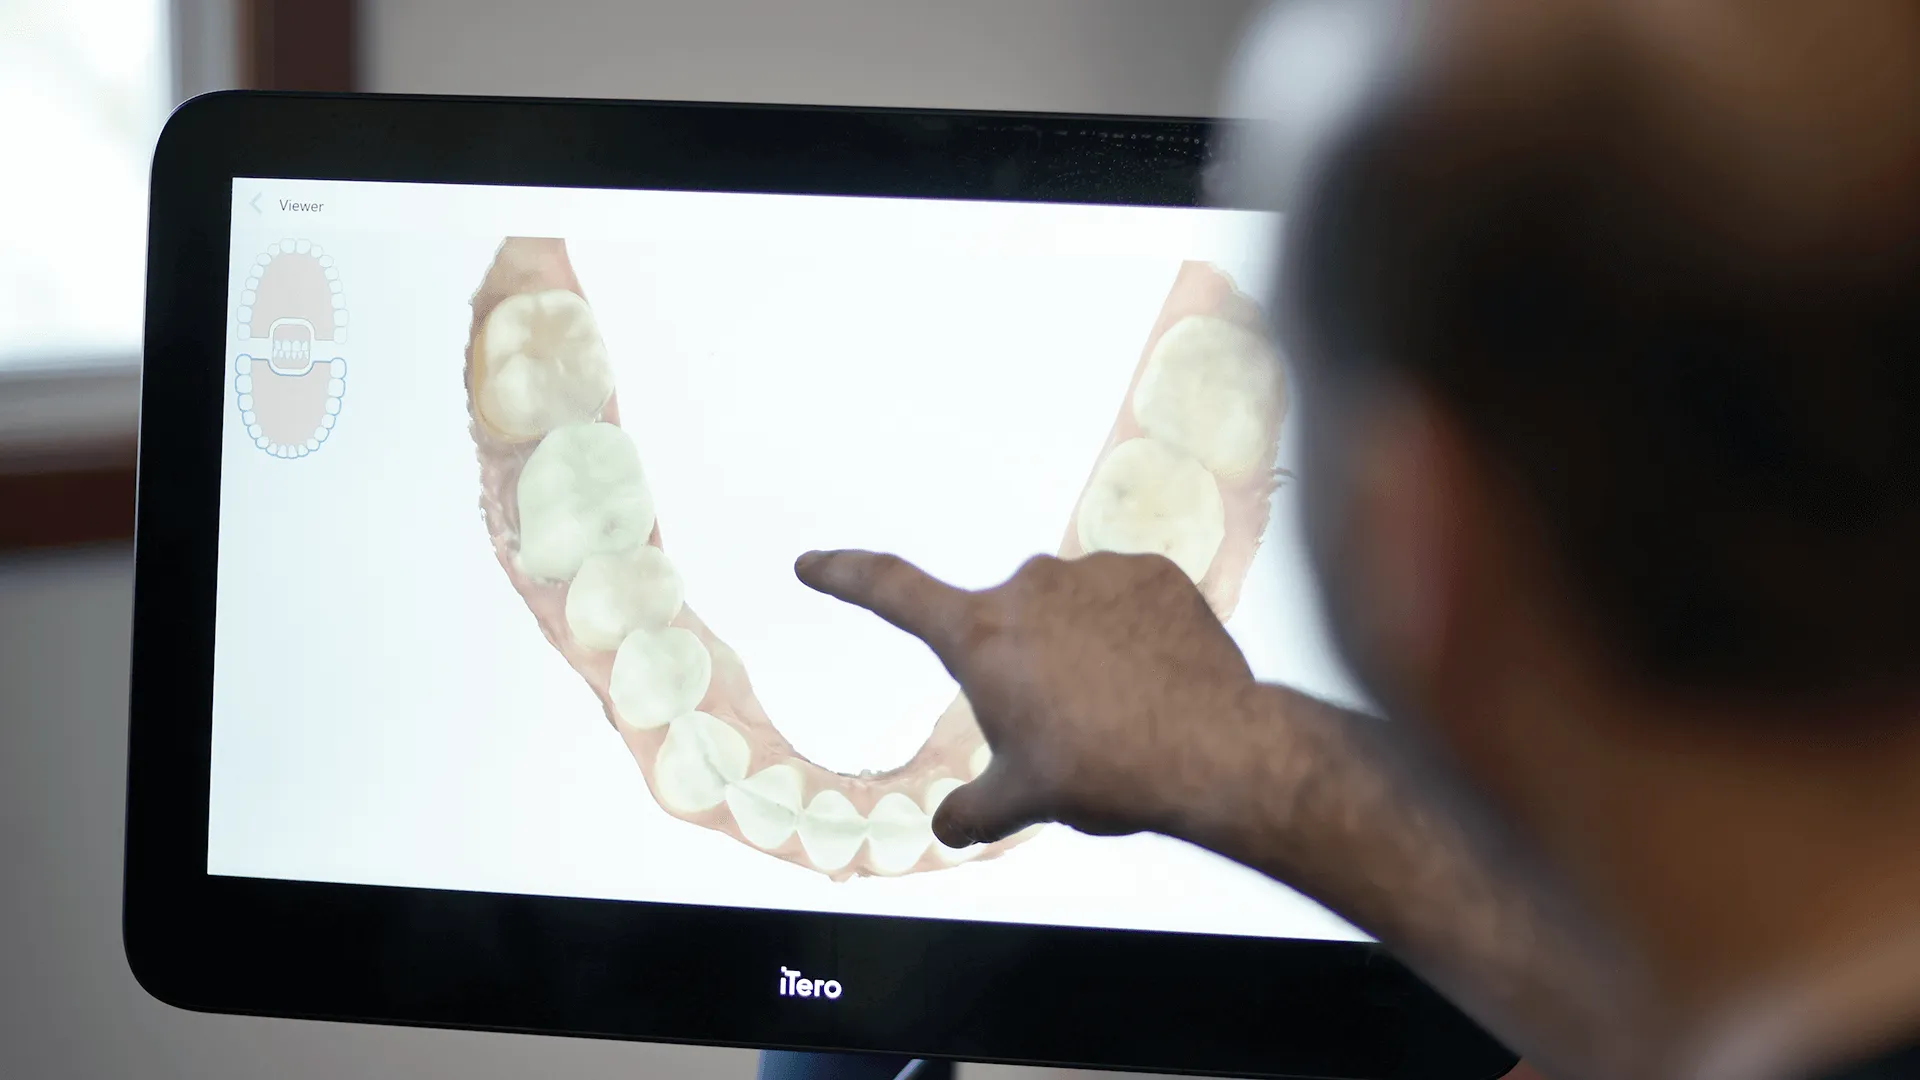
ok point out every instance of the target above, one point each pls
(86, 85)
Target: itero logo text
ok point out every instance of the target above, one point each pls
(794, 984)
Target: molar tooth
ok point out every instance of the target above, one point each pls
(339, 368)
(658, 675)
(701, 755)
(582, 491)
(897, 833)
(244, 316)
(937, 793)
(1148, 497)
(247, 296)
(1212, 388)
(542, 364)
(831, 830)
(615, 594)
(766, 805)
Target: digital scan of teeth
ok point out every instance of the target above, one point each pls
(518, 613)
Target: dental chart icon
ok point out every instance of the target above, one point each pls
(1188, 471)
(289, 376)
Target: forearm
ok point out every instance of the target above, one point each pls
(1318, 799)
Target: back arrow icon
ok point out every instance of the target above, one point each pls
(256, 202)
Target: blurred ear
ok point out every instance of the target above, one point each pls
(1393, 553)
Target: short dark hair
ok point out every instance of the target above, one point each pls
(1724, 448)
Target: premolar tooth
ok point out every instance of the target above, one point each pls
(615, 594)
(1148, 497)
(701, 755)
(581, 492)
(543, 364)
(937, 793)
(831, 830)
(766, 805)
(897, 833)
(1213, 389)
(658, 675)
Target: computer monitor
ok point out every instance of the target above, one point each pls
(472, 685)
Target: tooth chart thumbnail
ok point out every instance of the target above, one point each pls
(1187, 471)
(290, 376)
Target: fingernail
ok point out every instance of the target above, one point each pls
(808, 559)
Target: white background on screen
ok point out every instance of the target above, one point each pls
(388, 712)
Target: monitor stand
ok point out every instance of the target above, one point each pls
(793, 1065)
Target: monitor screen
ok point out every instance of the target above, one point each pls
(512, 483)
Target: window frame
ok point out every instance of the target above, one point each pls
(68, 432)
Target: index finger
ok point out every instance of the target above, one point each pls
(896, 590)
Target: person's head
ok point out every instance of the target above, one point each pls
(1608, 319)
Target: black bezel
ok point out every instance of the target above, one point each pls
(949, 989)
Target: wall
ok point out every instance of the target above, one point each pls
(1116, 56)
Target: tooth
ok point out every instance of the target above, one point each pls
(317, 252)
(766, 805)
(582, 491)
(244, 316)
(289, 245)
(339, 369)
(981, 758)
(340, 317)
(304, 246)
(1211, 388)
(1148, 497)
(260, 441)
(340, 335)
(243, 365)
(246, 297)
(701, 755)
(333, 285)
(326, 421)
(658, 675)
(247, 417)
(335, 388)
(543, 364)
(264, 259)
(831, 830)
(320, 433)
(897, 833)
(312, 445)
(937, 793)
(243, 384)
(339, 301)
(246, 402)
(615, 594)
(253, 430)
(326, 262)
